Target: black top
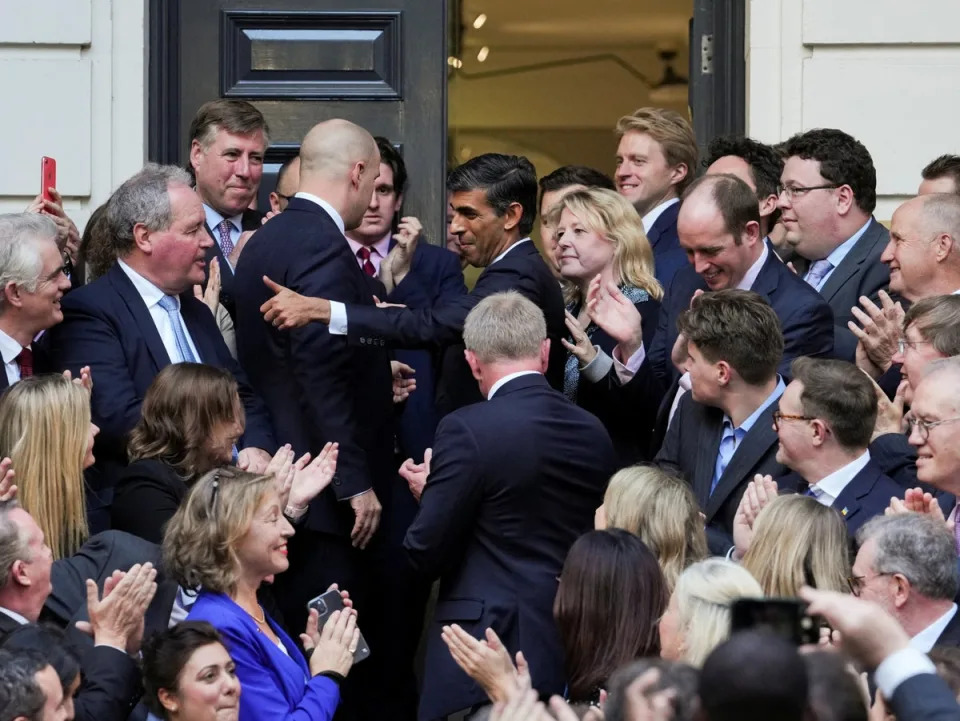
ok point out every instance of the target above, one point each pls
(148, 493)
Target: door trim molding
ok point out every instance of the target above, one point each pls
(163, 81)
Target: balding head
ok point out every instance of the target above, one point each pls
(922, 252)
(339, 162)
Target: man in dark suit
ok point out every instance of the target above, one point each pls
(722, 433)
(318, 388)
(30, 302)
(907, 563)
(656, 161)
(494, 205)
(828, 192)
(141, 316)
(228, 139)
(512, 483)
(825, 422)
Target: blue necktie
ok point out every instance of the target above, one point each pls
(728, 446)
(169, 304)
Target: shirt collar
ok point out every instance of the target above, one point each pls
(14, 615)
(382, 246)
(927, 638)
(506, 379)
(9, 348)
(331, 211)
(501, 256)
(214, 218)
(750, 277)
(752, 418)
(833, 484)
(651, 217)
(841, 251)
(150, 293)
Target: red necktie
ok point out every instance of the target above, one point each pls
(25, 362)
(364, 255)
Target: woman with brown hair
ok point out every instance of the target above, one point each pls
(191, 421)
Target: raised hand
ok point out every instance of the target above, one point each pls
(880, 332)
(282, 470)
(612, 311)
(288, 309)
(760, 491)
(7, 488)
(396, 265)
(889, 413)
(486, 662)
(117, 618)
(85, 380)
(333, 645)
(581, 347)
(915, 500)
(310, 478)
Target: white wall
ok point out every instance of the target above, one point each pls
(885, 71)
(73, 84)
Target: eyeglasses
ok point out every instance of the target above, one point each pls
(856, 583)
(923, 427)
(903, 344)
(795, 191)
(778, 416)
(287, 198)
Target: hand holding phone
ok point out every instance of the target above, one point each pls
(48, 177)
(785, 617)
(325, 604)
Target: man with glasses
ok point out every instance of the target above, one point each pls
(288, 182)
(825, 421)
(907, 564)
(827, 193)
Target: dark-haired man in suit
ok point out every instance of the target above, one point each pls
(825, 421)
(228, 139)
(493, 198)
(722, 433)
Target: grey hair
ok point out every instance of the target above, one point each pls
(13, 544)
(918, 548)
(143, 198)
(20, 261)
(505, 326)
(20, 693)
(941, 213)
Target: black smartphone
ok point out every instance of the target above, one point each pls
(786, 617)
(326, 604)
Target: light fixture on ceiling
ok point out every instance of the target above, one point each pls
(482, 55)
(672, 86)
(479, 21)
(454, 62)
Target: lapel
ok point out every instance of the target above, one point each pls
(850, 265)
(189, 311)
(755, 445)
(848, 502)
(667, 218)
(708, 445)
(214, 251)
(138, 309)
(768, 279)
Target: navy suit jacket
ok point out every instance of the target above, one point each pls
(435, 278)
(690, 450)
(275, 685)
(317, 388)
(107, 326)
(668, 256)
(522, 270)
(514, 481)
(924, 697)
(250, 220)
(859, 273)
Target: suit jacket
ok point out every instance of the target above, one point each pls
(316, 386)
(41, 363)
(250, 220)
(522, 269)
(276, 685)
(148, 493)
(859, 273)
(107, 326)
(950, 636)
(924, 697)
(668, 256)
(514, 481)
(690, 450)
(435, 278)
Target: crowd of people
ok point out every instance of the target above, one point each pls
(286, 465)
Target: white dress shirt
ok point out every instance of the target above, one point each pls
(152, 296)
(9, 350)
(899, 667)
(14, 615)
(651, 217)
(927, 638)
(506, 379)
(214, 219)
(828, 489)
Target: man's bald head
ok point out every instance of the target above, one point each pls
(333, 147)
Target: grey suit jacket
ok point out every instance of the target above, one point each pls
(859, 273)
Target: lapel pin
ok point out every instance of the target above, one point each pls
(844, 511)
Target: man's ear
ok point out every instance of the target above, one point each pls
(678, 172)
(141, 238)
(768, 205)
(356, 173)
(724, 373)
(512, 216)
(473, 363)
(19, 574)
(544, 354)
(12, 295)
(196, 153)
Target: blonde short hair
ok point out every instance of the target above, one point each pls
(611, 216)
(672, 131)
(199, 542)
(44, 430)
(704, 594)
(798, 541)
(660, 509)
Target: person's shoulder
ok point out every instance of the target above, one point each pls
(97, 293)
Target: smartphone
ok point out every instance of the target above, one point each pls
(326, 604)
(786, 617)
(48, 177)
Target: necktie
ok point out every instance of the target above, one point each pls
(816, 272)
(728, 446)
(169, 304)
(956, 534)
(25, 362)
(364, 255)
(813, 492)
(223, 230)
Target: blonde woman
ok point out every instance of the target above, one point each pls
(600, 236)
(797, 541)
(662, 511)
(46, 431)
(697, 618)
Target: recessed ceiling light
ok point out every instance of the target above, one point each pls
(481, 19)
(482, 55)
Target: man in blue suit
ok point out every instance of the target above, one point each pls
(142, 315)
(512, 483)
(825, 421)
(656, 161)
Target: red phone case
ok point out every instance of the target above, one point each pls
(48, 176)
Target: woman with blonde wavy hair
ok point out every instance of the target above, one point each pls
(662, 511)
(46, 431)
(797, 541)
(600, 240)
